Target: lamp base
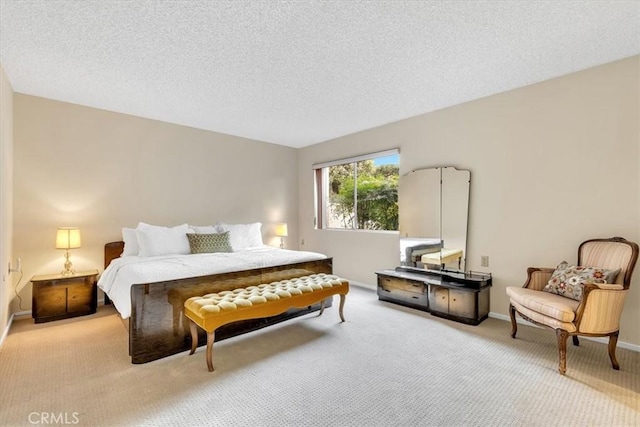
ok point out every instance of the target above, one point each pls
(68, 267)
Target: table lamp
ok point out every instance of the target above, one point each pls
(68, 238)
(281, 231)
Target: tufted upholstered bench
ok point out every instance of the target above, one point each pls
(178, 296)
(211, 311)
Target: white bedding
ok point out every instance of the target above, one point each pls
(407, 242)
(122, 273)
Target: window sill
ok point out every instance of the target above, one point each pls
(353, 230)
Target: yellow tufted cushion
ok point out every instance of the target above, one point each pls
(225, 301)
(225, 305)
(210, 309)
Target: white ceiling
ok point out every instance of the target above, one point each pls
(303, 72)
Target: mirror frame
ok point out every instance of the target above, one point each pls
(413, 244)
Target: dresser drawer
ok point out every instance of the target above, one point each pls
(411, 293)
(400, 284)
(439, 299)
(79, 297)
(50, 301)
(462, 304)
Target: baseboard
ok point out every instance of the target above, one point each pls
(603, 340)
(22, 313)
(6, 330)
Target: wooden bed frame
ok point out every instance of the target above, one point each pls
(158, 326)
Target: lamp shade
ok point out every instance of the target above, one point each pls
(281, 229)
(68, 238)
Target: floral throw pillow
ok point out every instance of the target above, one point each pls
(567, 280)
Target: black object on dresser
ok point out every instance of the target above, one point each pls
(454, 295)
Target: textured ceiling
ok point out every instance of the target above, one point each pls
(298, 73)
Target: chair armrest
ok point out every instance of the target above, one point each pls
(538, 277)
(610, 286)
(601, 307)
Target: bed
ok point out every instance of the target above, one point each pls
(149, 293)
(412, 249)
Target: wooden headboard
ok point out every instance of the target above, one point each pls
(112, 250)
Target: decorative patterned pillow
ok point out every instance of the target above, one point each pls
(567, 280)
(209, 243)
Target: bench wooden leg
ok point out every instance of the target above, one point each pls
(321, 308)
(194, 336)
(194, 343)
(210, 339)
(342, 300)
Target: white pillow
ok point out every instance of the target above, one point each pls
(154, 240)
(205, 229)
(243, 236)
(131, 247)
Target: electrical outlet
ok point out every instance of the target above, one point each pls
(18, 267)
(484, 261)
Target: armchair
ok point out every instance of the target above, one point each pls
(596, 313)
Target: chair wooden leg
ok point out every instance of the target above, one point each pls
(576, 342)
(613, 341)
(562, 336)
(514, 325)
(341, 311)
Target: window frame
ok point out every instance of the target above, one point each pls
(321, 188)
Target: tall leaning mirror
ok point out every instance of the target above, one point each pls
(433, 216)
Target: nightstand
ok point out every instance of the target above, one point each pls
(57, 296)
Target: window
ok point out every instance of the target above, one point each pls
(359, 193)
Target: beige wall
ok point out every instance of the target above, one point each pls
(100, 171)
(552, 164)
(6, 198)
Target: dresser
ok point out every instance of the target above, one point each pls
(58, 296)
(459, 296)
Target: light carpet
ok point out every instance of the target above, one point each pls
(386, 366)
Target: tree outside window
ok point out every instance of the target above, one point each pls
(361, 194)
